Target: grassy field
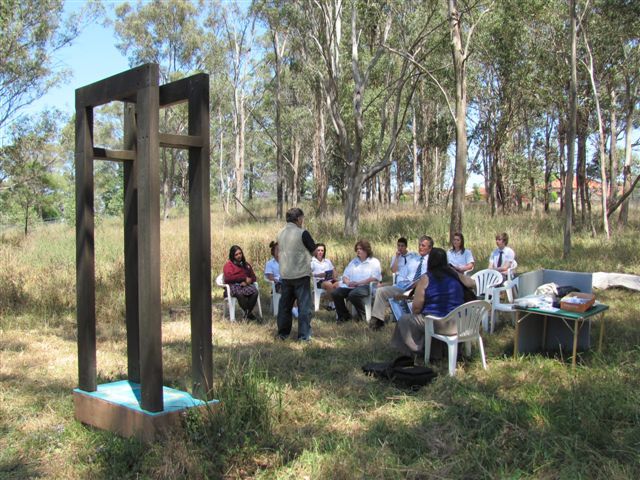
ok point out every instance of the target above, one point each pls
(306, 411)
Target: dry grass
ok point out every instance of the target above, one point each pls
(318, 415)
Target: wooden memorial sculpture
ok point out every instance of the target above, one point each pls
(148, 405)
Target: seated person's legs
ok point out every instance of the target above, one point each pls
(339, 295)
(356, 297)
(381, 301)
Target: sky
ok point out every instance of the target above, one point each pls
(92, 57)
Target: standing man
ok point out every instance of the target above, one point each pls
(415, 267)
(296, 248)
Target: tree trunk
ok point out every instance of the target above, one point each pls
(295, 148)
(459, 176)
(631, 103)
(318, 153)
(352, 191)
(414, 145)
(582, 131)
(613, 157)
(278, 125)
(225, 203)
(568, 194)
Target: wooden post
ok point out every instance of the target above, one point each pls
(147, 174)
(200, 238)
(85, 248)
(131, 248)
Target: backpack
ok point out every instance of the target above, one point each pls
(401, 372)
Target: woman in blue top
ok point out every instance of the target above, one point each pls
(437, 293)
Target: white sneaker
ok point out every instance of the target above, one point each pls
(294, 312)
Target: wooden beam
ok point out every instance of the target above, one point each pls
(178, 91)
(113, 155)
(122, 86)
(180, 141)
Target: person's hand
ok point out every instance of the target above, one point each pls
(248, 281)
(353, 284)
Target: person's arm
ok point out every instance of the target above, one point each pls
(251, 275)
(418, 297)
(308, 242)
(395, 262)
(467, 281)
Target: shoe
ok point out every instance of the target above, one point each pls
(330, 307)
(304, 339)
(376, 324)
(342, 320)
(251, 316)
(279, 336)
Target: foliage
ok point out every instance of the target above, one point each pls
(32, 32)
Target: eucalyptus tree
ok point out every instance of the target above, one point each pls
(170, 34)
(359, 77)
(30, 177)
(32, 32)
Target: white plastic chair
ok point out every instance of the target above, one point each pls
(233, 301)
(485, 280)
(510, 287)
(317, 293)
(468, 318)
(275, 298)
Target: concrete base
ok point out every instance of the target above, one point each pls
(115, 407)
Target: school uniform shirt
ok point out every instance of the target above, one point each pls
(359, 270)
(272, 267)
(320, 267)
(460, 259)
(404, 274)
(508, 255)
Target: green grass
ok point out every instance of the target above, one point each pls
(306, 411)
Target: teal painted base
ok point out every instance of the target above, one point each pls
(127, 394)
(116, 407)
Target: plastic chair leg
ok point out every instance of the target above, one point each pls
(481, 348)
(453, 357)
(259, 306)
(467, 348)
(427, 348)
(232, 309)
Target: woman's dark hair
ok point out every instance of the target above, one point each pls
(272, 246)
(437, 264)
(324, 255)
(459, 235)
(232, 252)
(365, 245)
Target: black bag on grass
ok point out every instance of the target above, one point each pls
(401, 372)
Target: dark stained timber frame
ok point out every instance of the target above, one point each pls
(143, 96)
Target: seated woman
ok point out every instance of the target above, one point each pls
(460, 258)
(437, 293)
(322, 270)
(355, 282)
(503, 258)
(272, 268)
(240, 277)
